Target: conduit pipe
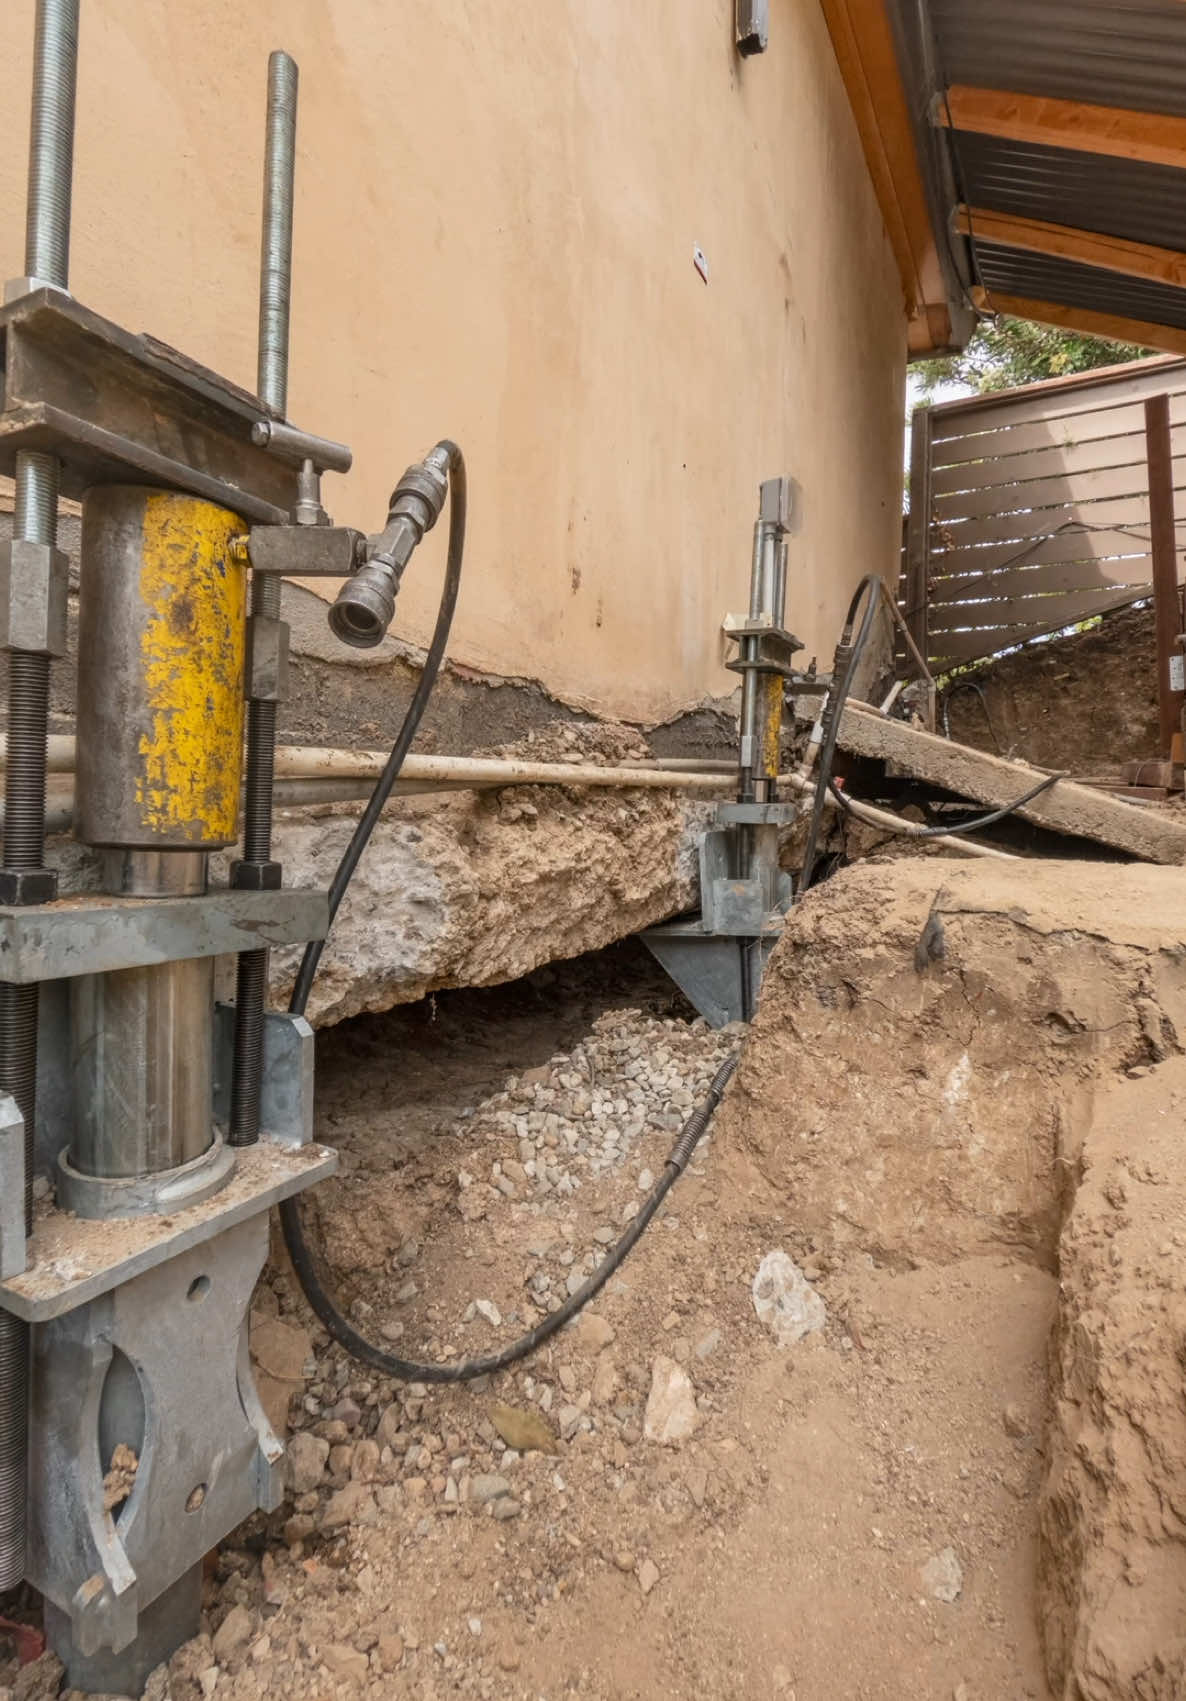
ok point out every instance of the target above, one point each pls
(311, 774)
(299, 761)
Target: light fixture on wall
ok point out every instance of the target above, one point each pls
(753, 26)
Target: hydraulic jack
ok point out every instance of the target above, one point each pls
(162, 1126)
(717, 957)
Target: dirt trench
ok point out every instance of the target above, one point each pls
(964, 1480)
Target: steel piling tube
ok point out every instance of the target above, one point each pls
(275, 292)
(275, 262)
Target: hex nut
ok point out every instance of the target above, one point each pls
(22, 887)
(256, 876)
(34, 581)
(267, 658)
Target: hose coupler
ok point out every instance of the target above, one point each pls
(365, 604)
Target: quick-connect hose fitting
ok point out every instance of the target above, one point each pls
(365, 605)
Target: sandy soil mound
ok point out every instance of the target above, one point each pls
(931, 1036)
(1113, 1573)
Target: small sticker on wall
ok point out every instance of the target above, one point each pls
(1178, 673)
(700, 260)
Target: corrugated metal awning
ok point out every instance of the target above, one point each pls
(1062, 127)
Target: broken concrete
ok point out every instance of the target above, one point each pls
(1065, 808)
(1112, 1574)
(477, 888)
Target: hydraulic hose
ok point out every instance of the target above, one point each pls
(844, 670)
(308, 1270)
(975, 825)
(307, 1263)
(408, 730)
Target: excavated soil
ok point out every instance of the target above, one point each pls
(956, 1113)
(1085, 703)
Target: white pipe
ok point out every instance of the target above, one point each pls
(300, 761)
(296, 762)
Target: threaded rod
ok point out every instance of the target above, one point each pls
(51, 142)
(275, 291)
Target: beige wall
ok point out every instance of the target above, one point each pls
(497, 202)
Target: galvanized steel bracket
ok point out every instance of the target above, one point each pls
(159, 1366)
(95, 933)
(12, 1188)
(286, 1081)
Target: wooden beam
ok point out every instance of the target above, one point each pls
(1108, 253)
(1166, 337)
(1064, 808)
(1154, 137)
(863, 43)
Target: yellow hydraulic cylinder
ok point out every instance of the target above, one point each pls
(162, 634)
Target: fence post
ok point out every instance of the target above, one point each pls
(1171, 678)
(918, 528)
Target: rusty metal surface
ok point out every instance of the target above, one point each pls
(114, 406)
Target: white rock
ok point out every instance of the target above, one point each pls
(942, 1576)
(486, 1308)
(671, 1413)
(785, 1301)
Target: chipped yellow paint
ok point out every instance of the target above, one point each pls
(192, 653)
(772, 689)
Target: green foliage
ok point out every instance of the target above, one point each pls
(1005, 352)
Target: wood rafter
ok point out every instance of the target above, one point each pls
(1154, 137)
(1108, 253)
(1081, 319)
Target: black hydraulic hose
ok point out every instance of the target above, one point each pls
(969, 685)
(309, 1267)
(408, 730)
(409, 1370)
(848, 655)
(973, 826)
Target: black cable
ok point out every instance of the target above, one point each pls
(408, 1370)
(973, 826)
(360, 838)
(834, 712)
(968, 685)
(307, 1264)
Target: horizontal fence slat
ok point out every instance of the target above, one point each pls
(970, 590)
(1065, 429)
(950, 419)
(1050, 492)
(1041, 578)
(1003, 471)
(1126, 513)
(1040, 613)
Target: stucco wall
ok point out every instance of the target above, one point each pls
(497, 205)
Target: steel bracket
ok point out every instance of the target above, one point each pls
(159, 1365)
(286, 1083)
(757, 814)
(95, 933)
(12, 1188)
(118, 408)
(307, 552)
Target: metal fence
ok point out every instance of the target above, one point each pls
(1030, 510)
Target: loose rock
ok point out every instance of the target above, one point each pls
(785, 1301)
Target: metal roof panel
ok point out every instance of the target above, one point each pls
(1116, 197)
(1128, 53)
(1043, 277)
